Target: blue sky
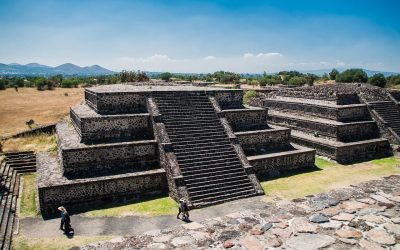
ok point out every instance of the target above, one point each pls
(203, 36)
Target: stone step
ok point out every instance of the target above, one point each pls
(213, 165)
(219, 177)
(192, 122)
(183, 131)
(220, 191)
(202, 158)
(218, 184)
(208, 172)
(198, 134)
(202, 142)
(21, 164)
(208, 168)
(208, 162)
(190, 141)
(202, 147)
(224, 150)
(216, 199)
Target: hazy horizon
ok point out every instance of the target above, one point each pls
(202, 36)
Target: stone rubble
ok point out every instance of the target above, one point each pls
(367, 216)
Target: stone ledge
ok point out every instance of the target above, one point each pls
(49, 173)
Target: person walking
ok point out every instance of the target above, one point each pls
(181, 208)
(186, 211)
(63, 212)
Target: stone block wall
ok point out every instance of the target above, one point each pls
(110, 128)
(55, 190)
(254, 142)
(247, 119)
(106, 159)
(281, 162)
(229, 99)
(117, 102)
(356, 112)
(341, 132)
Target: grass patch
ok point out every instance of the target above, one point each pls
(28, 197)
(39, 142)
(58, 243)
(330, 175)
(150, 207)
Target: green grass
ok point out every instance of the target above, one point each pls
(149, 207)
(28, 198)
(329, 175)
(59, 243)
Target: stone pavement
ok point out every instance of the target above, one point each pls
(128, 225)
(366, 216)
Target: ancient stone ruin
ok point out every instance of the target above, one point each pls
(346, 122)
(126, 142)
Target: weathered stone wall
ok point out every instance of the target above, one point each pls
(112, 128)
(55, 191)
(117, 102)
(254, 142)
(342, 132)
(229, 99)
(351, 152)
(281, 162)
(356, 112)
(109, 159)
(247, 119)
(365, 151)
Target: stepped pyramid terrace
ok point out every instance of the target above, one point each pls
(197, 143)
(346, 122)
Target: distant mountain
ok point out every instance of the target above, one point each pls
(320, 72)
(35, 69)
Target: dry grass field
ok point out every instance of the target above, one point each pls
(43, 107)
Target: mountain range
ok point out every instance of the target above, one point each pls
(33, 69)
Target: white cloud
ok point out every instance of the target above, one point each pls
(247, 62)
(209, 57)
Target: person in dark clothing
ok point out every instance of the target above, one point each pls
(67, 222)
(63, 212)
(183, 209)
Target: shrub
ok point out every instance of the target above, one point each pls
(2, 84)
(333, 74)
(69, 83)
(166, 76)
(377, 80)
(248, 95)
(297, 80)
(352, 75)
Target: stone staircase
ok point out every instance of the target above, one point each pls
(11, 168)
(210, 167)
(390, 113)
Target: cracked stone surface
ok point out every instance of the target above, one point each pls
(366, 216)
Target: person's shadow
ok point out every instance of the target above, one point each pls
(186, 220)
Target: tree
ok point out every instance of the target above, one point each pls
(377, 80)
(40, 83)
(166, 76)
(352, 75)
(2, 84)
(333, 74)
(297, 80)
(30, 123)
(393, 80)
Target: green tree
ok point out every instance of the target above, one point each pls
(377, 80)
(40, 83)
(166, 76)
(352, 75)
(333, 74)
(393, 80)
(297, 80)
(2, 84)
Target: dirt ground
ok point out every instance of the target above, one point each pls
(43, 107)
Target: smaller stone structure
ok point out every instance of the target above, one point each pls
(338, 120)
